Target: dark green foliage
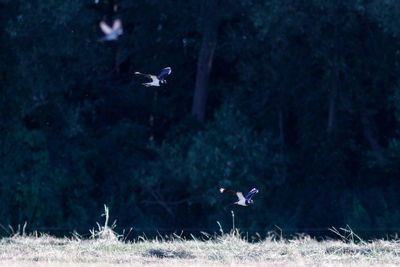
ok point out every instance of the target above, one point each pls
(303, 103)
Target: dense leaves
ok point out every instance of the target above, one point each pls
(302, 102)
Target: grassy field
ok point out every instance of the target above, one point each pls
(106, 248)
(226, 249)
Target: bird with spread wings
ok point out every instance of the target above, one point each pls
(242, 200)
(156, 80)
(111, 33)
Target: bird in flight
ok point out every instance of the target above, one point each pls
(156, 80)
(111, 34)
(242, 201)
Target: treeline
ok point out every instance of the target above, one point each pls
(300, 99)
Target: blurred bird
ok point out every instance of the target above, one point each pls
(242, 201)
(113, 33)
(156, 80)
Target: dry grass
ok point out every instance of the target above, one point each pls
(105, 248)
(229, 249)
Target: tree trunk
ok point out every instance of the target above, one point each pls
(332, 95)
(370, 137)
(204, 62)
(281, 130)
(334, 80)
(368, 133)
(331, 115)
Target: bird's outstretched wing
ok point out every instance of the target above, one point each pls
(164, 73)
(240, 196)
(152, 77)
(251, 193)
(105, 28)
(117, 26)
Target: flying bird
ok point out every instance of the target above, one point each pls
(113, 33)
(242, 201)
(156, 80)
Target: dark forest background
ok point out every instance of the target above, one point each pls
(298, 98)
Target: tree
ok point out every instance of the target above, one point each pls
(211, 22)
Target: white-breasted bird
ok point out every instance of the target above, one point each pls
(242, 201)
(156, 80)
(111, 34)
